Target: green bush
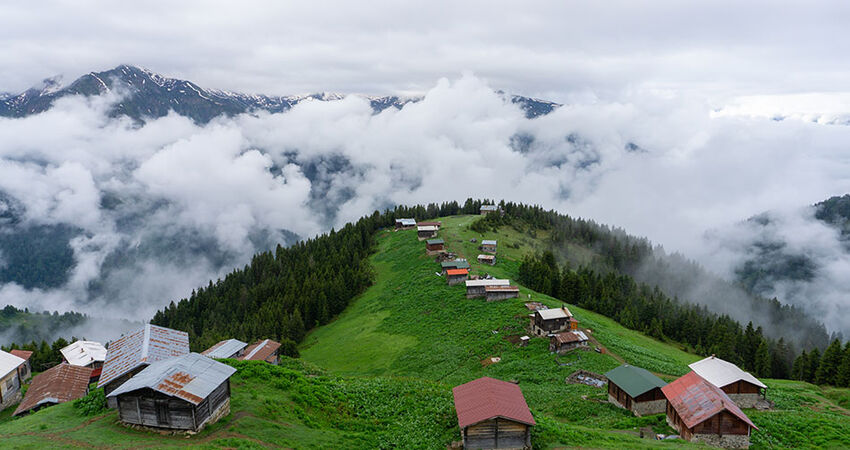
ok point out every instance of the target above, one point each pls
(92, 404)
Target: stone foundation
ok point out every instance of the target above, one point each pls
(746, 400)
(649, 408)
(725, 441)
(614, 401)
(11, 399)
(222, 411)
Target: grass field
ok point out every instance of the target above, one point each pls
(380, 375)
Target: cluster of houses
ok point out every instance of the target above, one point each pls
(149, 376)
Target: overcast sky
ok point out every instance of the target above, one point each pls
(558, 50)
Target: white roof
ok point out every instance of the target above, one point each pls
(580, 334)
(491, 282)
(486, 256)
(427, 228)
(721, 373)
(83, 353)
(9, 363)
(554, 313)
(488, 242)
(406, 222)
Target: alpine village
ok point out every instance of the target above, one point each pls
(421, 339)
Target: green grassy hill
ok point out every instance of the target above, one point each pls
(380, 375)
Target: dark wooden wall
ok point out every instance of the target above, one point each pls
(741, 387)
(496, 433)
(154, 409)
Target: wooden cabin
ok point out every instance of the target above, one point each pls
(10, 379)
(478, 288)
(637, 390)
(566, 341)
(431, 224)
(183, 393)
(487, 259)
(701, 412)
(405, 224)
(25, 369)
(56, 385)
(488, 245)
(456, 264)
(456, 276)
(229, 348)
(133, 352)
(86, 354)
(433, 246)
(493, 293)
(426, 232)
(266, 350)
(742, 387)
(492, 414)
(552, 321)
(487, 209)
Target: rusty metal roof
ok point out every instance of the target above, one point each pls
(23, 354)
(9, 363)
(58, 384)
(260, 350)
(191, 377)
(486, 398)
(144, 346)
(457, 272)
(696, 400)
(225, 349)
(570, 336)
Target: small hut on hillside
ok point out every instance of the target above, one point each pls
(86, 354)
(636, 389)
(566, 341)
(478, 288)
(25, 369)
(431, 224)
(701, 412)
(266, 350)
(405, 224)
(487, 259)
(426, 232)
(229, 348)
(434, 246)
(56, 385)
(456, 264)
(130, 354)
(742, 387)
(10, 379)
(182, 393)
(487, 209)
(550, 321)
(456, 276)
(493, 293)
(492, 414)
(488, 245)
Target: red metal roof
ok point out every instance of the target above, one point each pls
(261, 350)
(457, 272)
(23, 354)
(59, 384)
(486, 398)
(696, 400)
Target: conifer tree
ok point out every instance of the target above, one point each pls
(827, 370)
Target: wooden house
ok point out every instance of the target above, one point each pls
(133, 352)
(183, 393)
(56, 385)
(487, 259)
(86, 354)
(487, 209)
(492, 414)
(431, 224)
(493, 293)
(433, 246)
(405, 224)
(230, 348)
(701, 412)
(25, 369)
(478, 288)
(266, 350)
(10, 379)
(456, 276)
(742, 387)
(426, 232)
(488, 245)
(637, 390)
(551, 321)
(566, 341)
(456, 264)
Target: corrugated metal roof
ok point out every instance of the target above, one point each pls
(457, 272)
(554, 313)
(458, 263)
(225, 349)
(721, 373)
(406, 222)
(570, 336)
(9, 363)
(435, 241)
(489, 208)
(490, 282)
(191, 377)
(58, 384)
(23, 354)
(696, 400)
(427, 228)
(634, 380)
(435, 224)
(146, 345)
(83, 353)
(501, 289)
(488, 242)
(486, 256)
(486, 398)
(260, 350)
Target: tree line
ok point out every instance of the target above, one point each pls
(831, 368)
(44, 355)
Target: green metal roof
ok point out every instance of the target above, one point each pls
(458, 264)
(435, 241)
(634, 380)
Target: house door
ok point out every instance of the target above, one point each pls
(162, 412)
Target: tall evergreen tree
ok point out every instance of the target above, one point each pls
(827, 371)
